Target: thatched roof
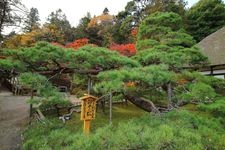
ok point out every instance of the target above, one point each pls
(213, 46)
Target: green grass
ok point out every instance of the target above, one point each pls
(121, 112)
(193, 108)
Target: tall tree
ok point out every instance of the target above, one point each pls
(124, 22)
(59, 19)
(206, 17)
(99, 28)
(176, 6)
(32, 20)
(137, 10)
(51, 33)
(81, 30)
(140, 9)
(12, 13)
(162, 39)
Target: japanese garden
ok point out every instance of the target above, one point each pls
(151, 77)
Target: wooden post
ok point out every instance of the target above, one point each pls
(87, 126)
(31, 105)
(211, 70)
(31, 108)
(110, 107)
(89, 85)
(88, 110)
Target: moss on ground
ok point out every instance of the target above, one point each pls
(122, 112)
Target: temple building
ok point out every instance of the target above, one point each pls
(213, 46)
(104, 19)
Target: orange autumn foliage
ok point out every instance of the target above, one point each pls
(182, 81)
(57, 44)
(130, 84)
(124, 49)
(77, 43)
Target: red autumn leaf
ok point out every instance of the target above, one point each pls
(77, 43)
(124, 49)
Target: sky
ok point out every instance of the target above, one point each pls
(76, 9)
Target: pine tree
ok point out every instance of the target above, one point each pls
(32, 21)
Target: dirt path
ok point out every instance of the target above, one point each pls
(13, 117)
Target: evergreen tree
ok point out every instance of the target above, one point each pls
(205, 17)
(32, 21)
(59, 20)
(105, 11)
(137, 10)
(11, 14)
(81, 30)
(164, 50)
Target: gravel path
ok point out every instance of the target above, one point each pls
(14, 112)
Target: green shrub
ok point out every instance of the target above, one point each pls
(198, 92)
(175, 130)
(202, 92)
(216, 108)
(146, 44)
(216, 83)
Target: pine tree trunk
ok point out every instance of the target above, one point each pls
(169, 92)
(31, 105)
(103, 106)
(110, 108)
(142, 103)
(57, 110)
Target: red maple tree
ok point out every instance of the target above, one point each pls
(77, 43)
(124, 49)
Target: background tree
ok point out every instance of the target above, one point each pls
(51, 33)
(205, 17)
(99, 29)
(176, 6)
(81, 30)
(12, 13)
(32, 20)
(21, 40)
(125, 21)
(59, 20)
(137, 10)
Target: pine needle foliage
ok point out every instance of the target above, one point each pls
(47, 57)
(46, 95)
